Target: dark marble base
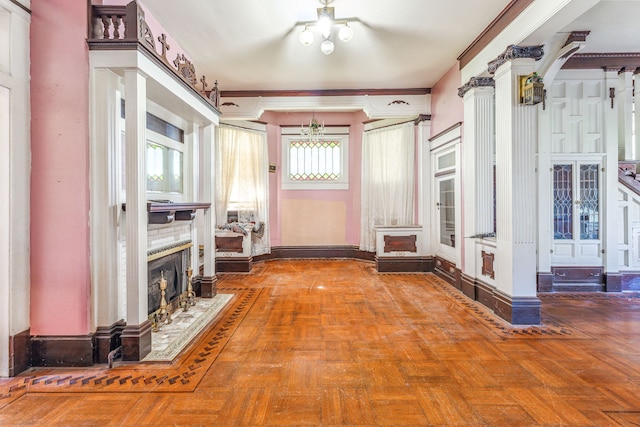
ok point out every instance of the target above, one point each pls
(545, 282)
(136, 341)
(518, 310)
(613, 282)
(62, 351)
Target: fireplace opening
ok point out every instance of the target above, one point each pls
(172, 263)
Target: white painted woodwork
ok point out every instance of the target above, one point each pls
(398, 231)
(105, 206)
(374, 106)
(627, 229)
(15, 154)
(516, 210)
(636, 115)
(446, 145)
(610, 178)
(623, 103)
(207, 186)
(477, 170)
(136, 185)
(425, 198)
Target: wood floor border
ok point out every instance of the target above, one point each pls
(183, 375)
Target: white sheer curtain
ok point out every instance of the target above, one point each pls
(242, 180)
(388, 159)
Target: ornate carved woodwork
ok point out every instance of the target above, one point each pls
(476, 82)
(516, 52)
(125, 28)
(400, 243)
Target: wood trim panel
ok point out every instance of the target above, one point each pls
(518, 310)
(607, 61)
(19, 353)
(545, 282)
(234, 264)
(448, 272)
(136, 341)
(62, 351)
(404, 264)
(107, 339)
(468, 286)
(400, 243)
(229, 244)
(284, 252)
(325, 92)
(613, 282)
(449, 129)
(208, 286)
(487, 264)
(504, 18)
(578, 275)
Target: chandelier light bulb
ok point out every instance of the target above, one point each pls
(324, 24)
(327, 47)
(346, 33)
(306, 37)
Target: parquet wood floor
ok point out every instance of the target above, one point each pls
(333, 343)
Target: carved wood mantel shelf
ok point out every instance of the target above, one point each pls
(166, 212)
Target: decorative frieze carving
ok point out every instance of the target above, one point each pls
(106, 32)
(476, 82)
(516, 52)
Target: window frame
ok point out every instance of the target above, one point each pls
(339, 134)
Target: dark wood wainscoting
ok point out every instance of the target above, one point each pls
(404, 264)
(62, 351)
(19, 352)
(234, 264)
(107, 339)
(517, 311)
(285, 252)
(136, 341)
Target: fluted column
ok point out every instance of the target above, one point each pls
(136, 337)
(207, 189)
(624, 101)
(516, 214)
(636, 100)
(477, 167)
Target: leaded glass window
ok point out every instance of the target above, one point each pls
(315, 160)
(589, 202)
(447, 212)
(563, 202)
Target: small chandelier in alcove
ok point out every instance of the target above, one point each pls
(314, 132)
(325, 23)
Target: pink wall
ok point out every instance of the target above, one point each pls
(446, 106)
(60, 275)
(350, 197)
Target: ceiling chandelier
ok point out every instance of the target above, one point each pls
(314, 132)
(325, 23)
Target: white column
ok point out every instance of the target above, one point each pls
(206, 195)
(609, 206)
(516, 215)
(636, 118)
(624, 104)
(15, 184)
(477, 169)
(424, 187)
(136, 186)
(105, 189)
(194, 195)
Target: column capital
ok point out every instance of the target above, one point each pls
(476, 82)
(516, 52)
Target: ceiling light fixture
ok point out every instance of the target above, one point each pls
(325, 23)
(314, 132)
